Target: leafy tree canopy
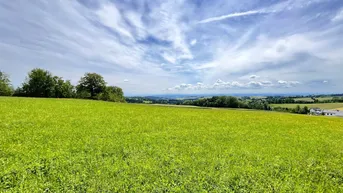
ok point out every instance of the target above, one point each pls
(5, 85)
(39, 83)
(91, 83)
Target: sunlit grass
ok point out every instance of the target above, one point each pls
(91, 146)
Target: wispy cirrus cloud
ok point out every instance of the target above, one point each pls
(232, 15)
(253, 45)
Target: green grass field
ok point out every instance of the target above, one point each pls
(55, 145)
(318, 105)
(307, 99)
(324, 98)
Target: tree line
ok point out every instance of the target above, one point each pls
(42, 83)
(222, 102)
(229, 102)
(233, 102)
(291, 100)
(297, 109)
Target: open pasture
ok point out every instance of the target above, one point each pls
(57, 145)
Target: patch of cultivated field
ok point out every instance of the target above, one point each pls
(318, 105)
(307, 99)
(57, 145)
(324, 98)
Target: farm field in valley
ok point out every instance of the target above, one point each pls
(318, 105)
(324, 98)
(60, 145)
(307, 99)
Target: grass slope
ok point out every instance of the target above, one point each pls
(78, 145)
(318, 105)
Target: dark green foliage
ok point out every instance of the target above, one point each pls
(63, 89)
(39, 83)
(93, 86)
(5, 85)
(281, 109)
(112, 93)
(92, 83)
(229, 102)
(305, 110)
(297, 109)
(259, 104)
(337, 99)
(19, 92)
(280, 100)
(83, 95)
(218, 101)
(300, 110)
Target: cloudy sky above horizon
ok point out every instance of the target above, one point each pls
(179, 46)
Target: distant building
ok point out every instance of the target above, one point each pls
(336, 113)
(333, 113)
(316, 111)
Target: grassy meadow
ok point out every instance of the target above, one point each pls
(324, 98)
(328, 106)
(66, 145)
(305, 99)
(309, 99)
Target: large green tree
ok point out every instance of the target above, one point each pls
(5, 85)
(63, 89)
(39, 83)
(112, 93)
(91, 84)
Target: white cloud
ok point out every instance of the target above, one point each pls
(135, 19)
(111, 17)
(278, 7)
(62, 38)
(126, 80)
(150, 42)
(288, 84)
(222, 85)
(169, 58)
(166, 24)
(338, 17)
(193, 42)
(254, 77)
(252, 12)
(269, 53)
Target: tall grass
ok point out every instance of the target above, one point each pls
(91, 146)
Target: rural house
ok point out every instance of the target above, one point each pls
(334, 113)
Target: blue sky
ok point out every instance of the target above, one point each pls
(165, 47)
